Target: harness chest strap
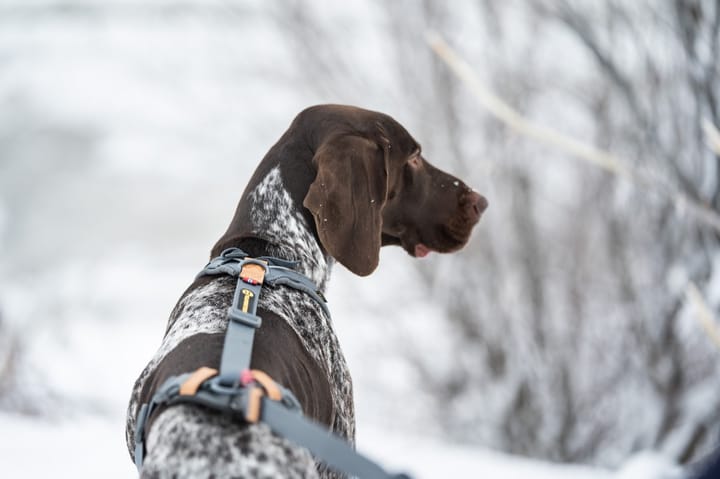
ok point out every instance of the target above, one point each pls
(252, 394)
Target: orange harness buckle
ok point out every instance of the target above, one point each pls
(191, 384)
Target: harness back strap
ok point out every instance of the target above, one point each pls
(243, 321)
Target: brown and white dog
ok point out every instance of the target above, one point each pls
(339, 184)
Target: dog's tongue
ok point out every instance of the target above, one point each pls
(421, 250)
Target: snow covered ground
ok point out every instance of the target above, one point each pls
(90, 446)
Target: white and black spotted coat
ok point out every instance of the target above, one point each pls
(213, 443)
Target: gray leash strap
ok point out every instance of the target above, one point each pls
(325, 446)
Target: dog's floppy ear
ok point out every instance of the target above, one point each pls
(346, 200)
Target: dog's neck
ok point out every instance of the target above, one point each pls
(274, 225)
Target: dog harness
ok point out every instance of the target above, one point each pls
(251, 395)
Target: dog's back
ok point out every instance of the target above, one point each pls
(296, 345)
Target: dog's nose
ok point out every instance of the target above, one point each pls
(475, 204)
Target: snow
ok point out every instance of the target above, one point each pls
(85, 446)
(92, 446)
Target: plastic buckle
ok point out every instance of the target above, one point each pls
(259, 384)
(224, 385)
(280, 263)
(245, 396)
(253, 403)
(246, 319)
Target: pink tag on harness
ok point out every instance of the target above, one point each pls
(246, 377)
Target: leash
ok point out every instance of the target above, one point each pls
(251, 395)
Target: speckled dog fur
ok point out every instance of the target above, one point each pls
(212, 443)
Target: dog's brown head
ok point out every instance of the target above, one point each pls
(374, 188)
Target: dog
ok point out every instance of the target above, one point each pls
(340, 183)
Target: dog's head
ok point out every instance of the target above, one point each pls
(373, 188)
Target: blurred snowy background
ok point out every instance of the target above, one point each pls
(566, 332)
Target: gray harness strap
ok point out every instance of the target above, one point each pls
(227, 391)
(242, 323)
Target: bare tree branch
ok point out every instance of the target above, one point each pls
(602, 159)
(704, 314)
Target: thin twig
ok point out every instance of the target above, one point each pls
(576, 148)
(712, 135)
(704, 313)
